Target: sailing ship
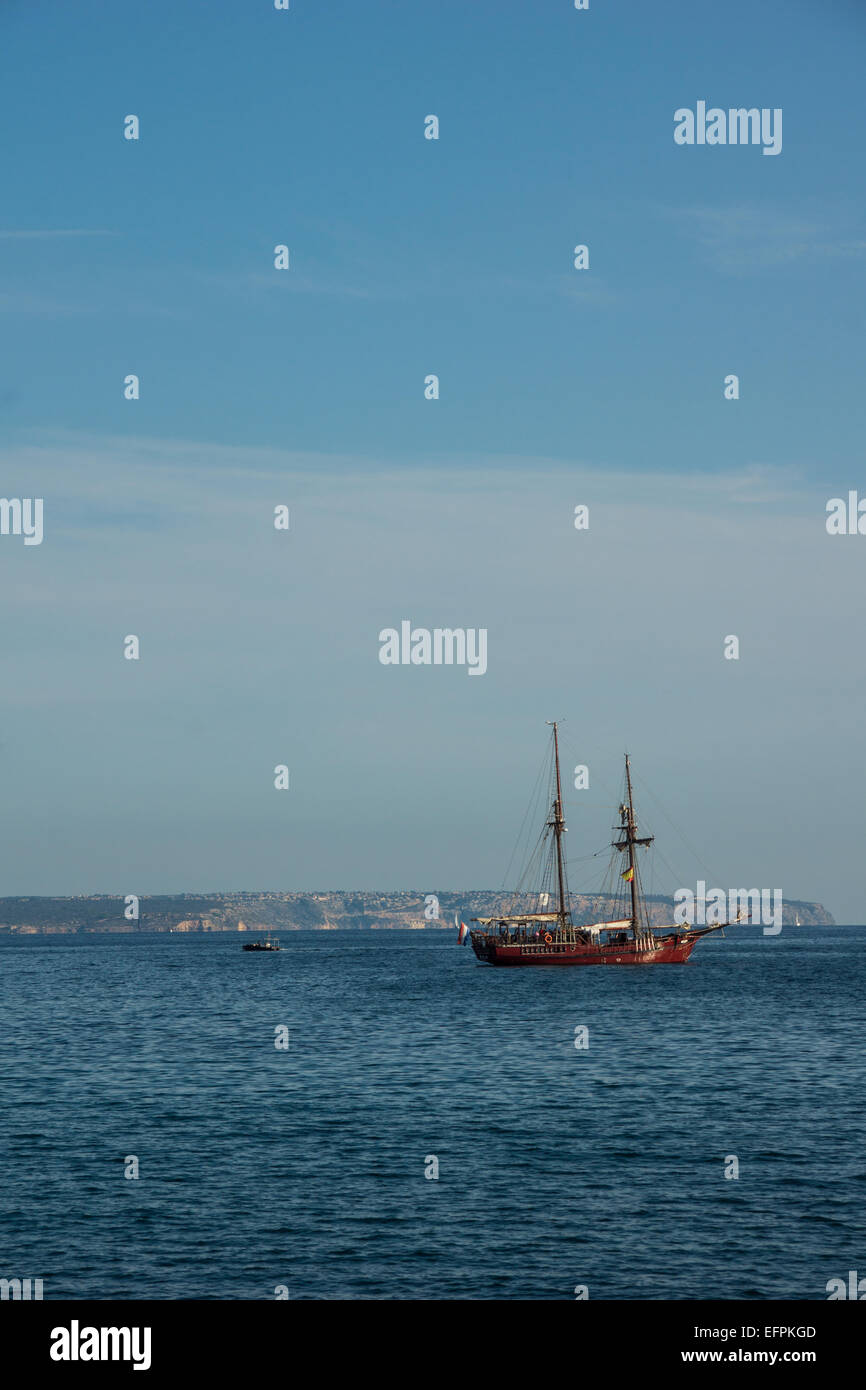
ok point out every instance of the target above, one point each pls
(550, 937)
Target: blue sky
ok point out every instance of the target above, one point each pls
(412, 257)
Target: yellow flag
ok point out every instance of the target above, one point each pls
(628, 875)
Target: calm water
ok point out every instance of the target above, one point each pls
(305, 1167)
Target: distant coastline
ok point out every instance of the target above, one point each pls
(334, 911)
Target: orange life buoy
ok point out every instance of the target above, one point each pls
(548, 939)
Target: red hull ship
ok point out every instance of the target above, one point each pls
(551, 937)
(671, 950)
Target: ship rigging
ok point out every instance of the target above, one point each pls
(549, 936)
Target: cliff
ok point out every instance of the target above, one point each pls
(355, 911)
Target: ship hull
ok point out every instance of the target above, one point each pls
(527, 953)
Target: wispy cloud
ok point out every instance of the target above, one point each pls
(586, 291)
(740, 239)
(23, 302)
(309, 284)
(294, 282)
(40, 304)
(41, 234)
(148, 469)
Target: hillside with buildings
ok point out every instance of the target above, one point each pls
(334, 911)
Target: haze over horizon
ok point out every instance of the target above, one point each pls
(558, 387)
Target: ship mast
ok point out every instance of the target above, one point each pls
(632, 830)
(558, 826)
(629, 838)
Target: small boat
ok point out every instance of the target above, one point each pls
(267, 943)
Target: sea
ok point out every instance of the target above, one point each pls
(375, 1115)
